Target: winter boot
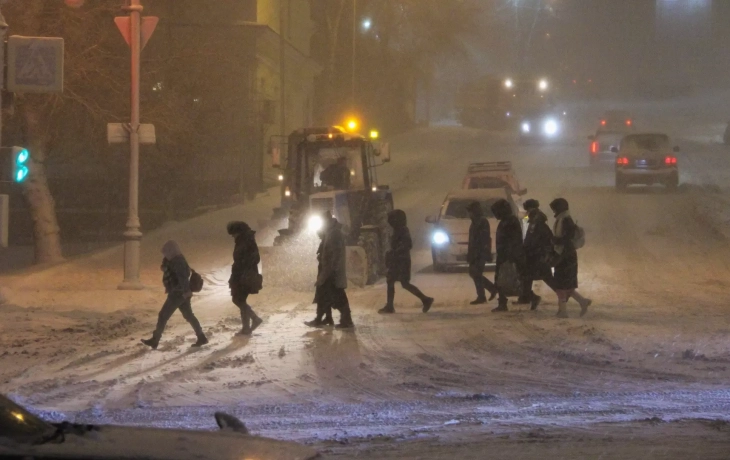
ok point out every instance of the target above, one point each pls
(535, 302)
(153, 342)
(255, 323)
(345, 320)
(478, 301)
(386, 310)
(427, 303)
(501, 307)
(202, 340)
(562, 310)
(584, 303)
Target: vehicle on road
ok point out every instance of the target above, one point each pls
(541, 126)
(616, 121)
(450, 235)
(601, 145)
(24, 435)
(647, 159)
(359, 202)
(494, 174)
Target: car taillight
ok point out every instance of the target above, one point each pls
(628, 122)
(622, 161)
(594, 147)
(670, 161)
(603, 122)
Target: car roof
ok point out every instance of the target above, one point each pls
(478, 194)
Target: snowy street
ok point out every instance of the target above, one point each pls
(654, 345)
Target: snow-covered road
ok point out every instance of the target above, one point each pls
(655, 343)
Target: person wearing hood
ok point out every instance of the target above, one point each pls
(538, 246)
(324, 305)
(176, 279)
(479, 252)
(398, 262)
(566, 268)
(332, 278)
(244, 274)
(508, 245)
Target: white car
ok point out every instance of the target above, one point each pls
(450, 235)
(23, 435)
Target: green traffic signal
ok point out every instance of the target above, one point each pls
(20, 159)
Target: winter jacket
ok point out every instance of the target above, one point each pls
(509, 242)
(332, 257)
(176, 275)
(246, 258)
(398, 258)
(538, 245)
(480, 242)
(566, 269)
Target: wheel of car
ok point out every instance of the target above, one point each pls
(673, 183)
(437, 267)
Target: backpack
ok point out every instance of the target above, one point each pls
(196, 281)
(579, 240)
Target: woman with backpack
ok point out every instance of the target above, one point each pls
(566, 265)
(245, 278)
(176, 279)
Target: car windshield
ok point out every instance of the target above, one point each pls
(20, 425)
(456, 209)
(651, 142)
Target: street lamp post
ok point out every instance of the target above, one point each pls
(133, 235)
(354, 49)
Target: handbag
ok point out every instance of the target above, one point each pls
(196, 281)
(508, 280)
(252, 281)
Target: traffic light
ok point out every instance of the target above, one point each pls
(20, 157)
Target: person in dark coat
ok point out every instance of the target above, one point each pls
(323, 302)
(508, 245)
(538, 246)
(245, 268)
(332, 278)
(566, 269)
(398, 261)
(479, 252)
(176, 279)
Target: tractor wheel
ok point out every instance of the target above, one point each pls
(369, 242)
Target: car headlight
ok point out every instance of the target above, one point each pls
(551, 127)
(315, 224)
(440, 238)
(525, 127)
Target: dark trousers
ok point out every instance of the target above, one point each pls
(324, 305)
(481, 283)
(527, 281)
(337, 299)
(247, 313)
(408, 287)
(174, 302)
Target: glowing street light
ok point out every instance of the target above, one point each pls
(543, 85)
(508, 83)
(367, 24)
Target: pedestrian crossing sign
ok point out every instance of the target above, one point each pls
(35, 64)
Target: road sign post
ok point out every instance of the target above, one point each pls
(132, 30)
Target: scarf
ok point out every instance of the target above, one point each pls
(558, 229)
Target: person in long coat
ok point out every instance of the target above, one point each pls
(332, 278)
(398, 262)
(176, 279)
(323, 302)
(508, 245)
(244, 271)
(538, 246)
(566, 268)
(479, 253)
